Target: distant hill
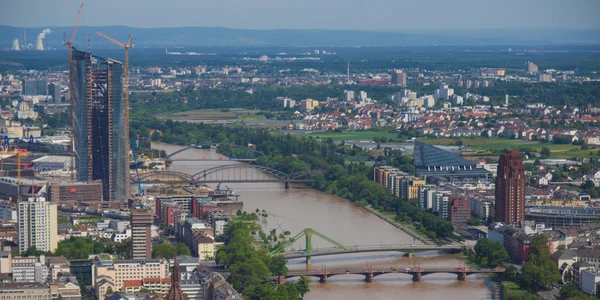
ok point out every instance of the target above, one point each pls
(220, 36)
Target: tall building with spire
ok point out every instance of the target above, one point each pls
(175, 292)
(510, 188)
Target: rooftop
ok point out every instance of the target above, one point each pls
(52, 158)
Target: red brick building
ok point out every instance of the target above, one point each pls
(460, 210)
(510, 188)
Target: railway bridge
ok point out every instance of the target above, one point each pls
(232, 173)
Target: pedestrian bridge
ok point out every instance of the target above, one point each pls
(408, 248)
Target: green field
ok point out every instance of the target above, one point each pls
(353, 135)
(213, 115)
(499, 144)
(253, 117)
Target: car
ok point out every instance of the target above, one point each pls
(407, 269)
(478, 269)
(347, 270)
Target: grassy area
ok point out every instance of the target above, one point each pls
(253, 117)
(515, 291)
(498, 144)
(353, 135)
(209, 115)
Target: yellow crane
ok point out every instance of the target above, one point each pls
(69, 44)
(128, 45)
(11, 153)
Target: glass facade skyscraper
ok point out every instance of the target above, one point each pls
(35, 87)
(100, 140)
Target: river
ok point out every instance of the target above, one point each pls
(298, 208)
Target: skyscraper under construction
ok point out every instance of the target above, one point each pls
(100, 138)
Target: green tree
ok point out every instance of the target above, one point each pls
(281, 293)
(490, 253)
(539, 271)
(545, 152)
(277, 266)
(182, 249)
(123, 249)
(511, 273)
(162, 250)
(302, 286)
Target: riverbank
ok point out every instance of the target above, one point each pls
(405, 229)
(340, 220)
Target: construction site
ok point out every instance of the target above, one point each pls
(95, 171)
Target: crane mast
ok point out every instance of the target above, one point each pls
(69, 44)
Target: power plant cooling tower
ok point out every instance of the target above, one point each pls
(15, 45)
(39, 45)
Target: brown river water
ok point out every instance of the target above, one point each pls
(298, 208)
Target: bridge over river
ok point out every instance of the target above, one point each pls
(371, 273)
(409, 249)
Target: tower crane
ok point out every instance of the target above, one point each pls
(69, 44)
(18, 154)
(125, 46)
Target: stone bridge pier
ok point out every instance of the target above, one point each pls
(462, 276)
(369, 277)
(416, 276)
(323, 278)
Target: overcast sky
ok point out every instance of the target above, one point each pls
(309, 14)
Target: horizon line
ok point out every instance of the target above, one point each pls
(318, 29)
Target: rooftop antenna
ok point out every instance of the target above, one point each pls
(89, 45)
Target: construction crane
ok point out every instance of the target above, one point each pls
(69, 44)
(125, 46)
(141, 191)
(18, 153)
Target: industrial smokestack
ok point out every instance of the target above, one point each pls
(15, 45)
(40, 45)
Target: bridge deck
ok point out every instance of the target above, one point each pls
(391, 270)
(377, 248)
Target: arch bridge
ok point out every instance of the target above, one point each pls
(233, 173)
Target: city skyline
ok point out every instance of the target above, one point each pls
(332, 14)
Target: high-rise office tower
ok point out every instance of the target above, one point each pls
(37, 225)
(35, 86)
(141, 223)
(54, 91)
(399, 78)
(510, 188)
(100, 138)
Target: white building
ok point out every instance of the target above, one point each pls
(440, 203)
(348, 96)
(37, 225)
(444, 92)
(29, 269)
(51, 163)
(362, 96)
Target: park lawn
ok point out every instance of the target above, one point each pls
(491, 144)
(353, 135)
